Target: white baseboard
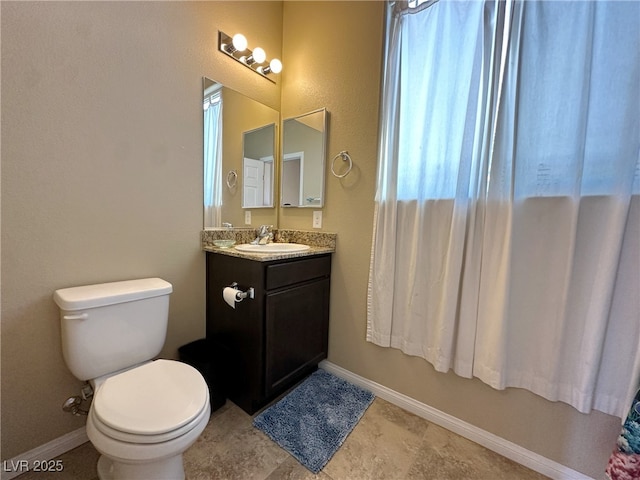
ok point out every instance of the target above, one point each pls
(15, 466)
(497, 444)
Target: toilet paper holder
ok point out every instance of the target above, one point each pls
(242, 295)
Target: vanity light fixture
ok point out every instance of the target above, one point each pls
(256, 59)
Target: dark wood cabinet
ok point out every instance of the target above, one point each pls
(270, 342)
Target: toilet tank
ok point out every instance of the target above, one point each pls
(112, 326)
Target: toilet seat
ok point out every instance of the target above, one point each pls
(153, 403)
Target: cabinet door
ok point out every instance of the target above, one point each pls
(296, 333)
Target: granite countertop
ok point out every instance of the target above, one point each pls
(320, 243)
(267, 257)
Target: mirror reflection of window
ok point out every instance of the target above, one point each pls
(258, 167)
(303, 160)
(212, 105)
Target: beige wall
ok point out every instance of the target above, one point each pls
(332, 59)
(102, 172)
(101, 175)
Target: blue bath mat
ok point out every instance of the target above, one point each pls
(314, 419)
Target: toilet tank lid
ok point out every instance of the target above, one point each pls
(100, 295)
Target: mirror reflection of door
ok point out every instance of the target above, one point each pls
(257, 186)
(253, 182)
(258, 167)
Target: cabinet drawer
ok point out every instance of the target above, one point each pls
(284, 274)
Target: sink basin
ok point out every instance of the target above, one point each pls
(273, 248)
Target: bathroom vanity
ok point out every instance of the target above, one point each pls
(273, 340)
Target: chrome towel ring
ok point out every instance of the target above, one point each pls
(232, 179)
(345, 158)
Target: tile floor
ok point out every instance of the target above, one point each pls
(388, 443)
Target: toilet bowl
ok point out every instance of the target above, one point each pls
(142, 420)
(145, 413)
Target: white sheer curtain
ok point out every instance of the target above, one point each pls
(508, 155)
(213, 160)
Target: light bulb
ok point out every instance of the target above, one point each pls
(259, 55)
(275, 65)
(239, 42)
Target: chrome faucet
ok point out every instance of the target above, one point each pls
(264, 235)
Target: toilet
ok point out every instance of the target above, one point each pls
(145, 413)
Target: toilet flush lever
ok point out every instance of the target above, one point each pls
(76, 316)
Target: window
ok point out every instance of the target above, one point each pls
(563, 92)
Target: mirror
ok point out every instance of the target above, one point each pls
(230, 118)
(303, 160)
(258, 167)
